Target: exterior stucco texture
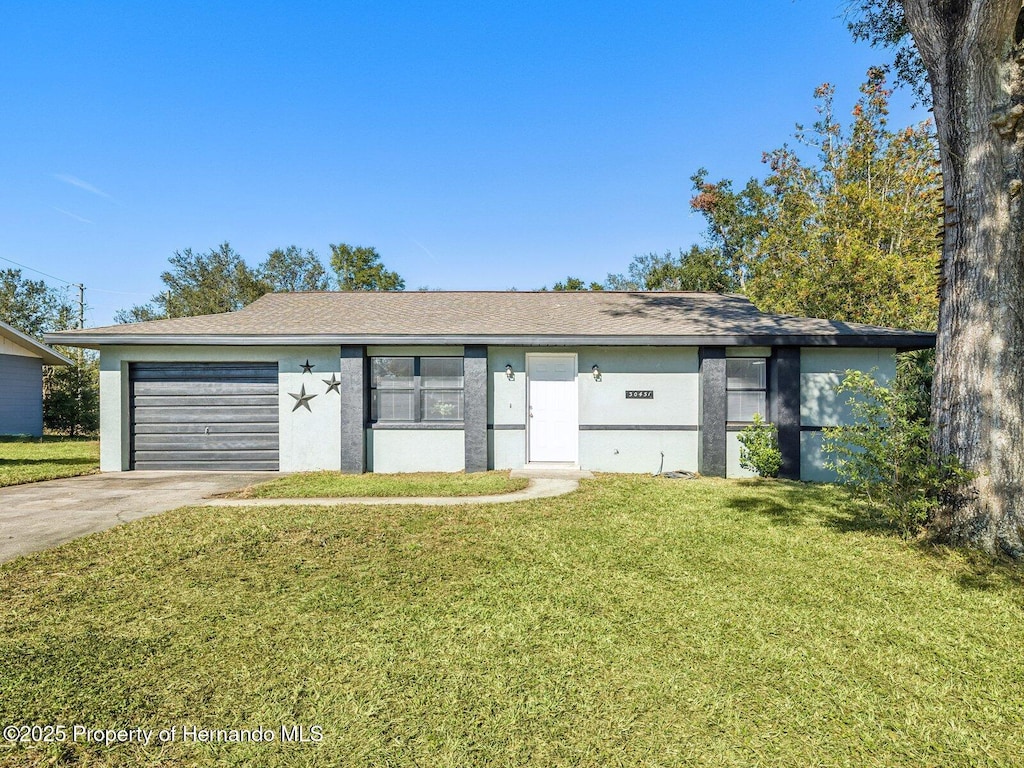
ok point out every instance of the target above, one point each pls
(638, 409)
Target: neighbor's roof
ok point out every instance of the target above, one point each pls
(505, 317)
(49, 356)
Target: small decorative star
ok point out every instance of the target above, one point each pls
(332, 384)
(302, 399)
(307, 367)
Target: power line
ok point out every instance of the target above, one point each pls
(79, 286)
(37, 271)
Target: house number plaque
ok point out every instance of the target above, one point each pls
(639, 394)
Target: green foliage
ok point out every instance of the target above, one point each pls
(70, 393)
(699, 269)
(208, 283)
(221, 281)
(359, 268)
(736, 220)
(575, 284)
(885, 455)
(201, 284)
(140, 313)
(32, 306)
(292, 269)
(71, 396)
(759, 448)
(848, 237)
(883, 24)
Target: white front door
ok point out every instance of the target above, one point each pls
(552, 416)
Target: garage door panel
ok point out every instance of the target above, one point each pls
(199, 428)
(204, 400)
(205, 455)
(215, 373)
(214, 416)
(262, 441)
(204, 415)
(212, 466)
(158, 388)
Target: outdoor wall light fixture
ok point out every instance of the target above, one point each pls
(509, 373)
(597, 373)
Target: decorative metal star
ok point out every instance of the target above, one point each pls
(307, 367)
(332, 384)
(302, 399)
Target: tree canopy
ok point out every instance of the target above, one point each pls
(849, 235)
(70, 393)
(575, 284)
(201, 284)
(359, 268)
(32, 306)
(220, 280)
(292, 269)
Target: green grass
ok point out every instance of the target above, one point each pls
(307, 485)
(29, 459)
(638, 622)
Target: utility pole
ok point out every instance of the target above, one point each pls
(79, 373)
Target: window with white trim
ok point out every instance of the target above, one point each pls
(746, 384)
(416, 389)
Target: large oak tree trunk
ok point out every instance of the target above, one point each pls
(975, 68)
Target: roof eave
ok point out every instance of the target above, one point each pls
(905, 340)
(49, 356)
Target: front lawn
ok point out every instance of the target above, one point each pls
(31, 459)
(639, 621)
(308, 485)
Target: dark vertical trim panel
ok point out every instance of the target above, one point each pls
(354, 393)
(475, 407)
(711, 458)
(785, 407)
(21, 395)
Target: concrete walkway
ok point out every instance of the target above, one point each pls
(38, 516)
(544, 483)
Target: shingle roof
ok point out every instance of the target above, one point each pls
(599, 317)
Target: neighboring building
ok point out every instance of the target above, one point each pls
(21, 381)
(449, 381)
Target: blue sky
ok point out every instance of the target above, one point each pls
(475, 145)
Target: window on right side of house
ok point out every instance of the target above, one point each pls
(746, 384)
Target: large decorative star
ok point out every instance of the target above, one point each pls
(307, 367)
(302, 399)
(332, 384)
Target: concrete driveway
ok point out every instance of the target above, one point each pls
(38, 516)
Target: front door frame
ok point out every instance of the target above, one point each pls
(576, 398)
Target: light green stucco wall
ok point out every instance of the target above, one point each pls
(638, 450)
(309, 440)
(507, 448)
(821, 371)
(415, 450)
(672, 372)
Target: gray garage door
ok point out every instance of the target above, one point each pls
(204, 416)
